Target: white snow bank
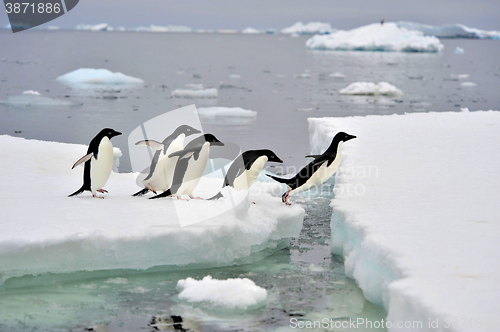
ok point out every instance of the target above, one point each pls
(96, 27)
(64, 234)
(215, 112)
(91, 77)
(450, 30)
(371, 89)
(32, 98)
(229, 294)
(416, 214)
(376, 37)
(311, 28)
(195, 91)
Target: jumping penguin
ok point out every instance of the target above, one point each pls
(98, 163)
(316, 172)
(246, 168)
(162, 167)
(190, 166)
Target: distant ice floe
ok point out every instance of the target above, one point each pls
(337, 75)
(311, 28)
(168, 28)
(468, 84)
(376, 37)
(450, 30)
(32, 98)
(95, 27)
(371, 89)
(215, 112)
(252, 31)
(195, 91)
(459, 50)
(94, 77)
(230, 294)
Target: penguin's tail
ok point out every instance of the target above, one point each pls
(78, 192)
(281, 180)
(163, 194)
(217, 196)
(141, 192)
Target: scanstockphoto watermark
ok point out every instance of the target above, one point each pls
(363, 323)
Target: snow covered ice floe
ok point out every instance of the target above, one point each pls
(450, 30)
(230, 294)
(416, 214)
(216, 112)
(311, 28)
(32, 98)
(252, 31)
(459, 50)
(168, 28)
(66, 234)
(195, 91)
(371, 89)
(90, 77)
(376, 37)
(96, 27)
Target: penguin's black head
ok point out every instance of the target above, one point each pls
(186, 130)
(212, 140)
(110, 133)
(271, 156)
(344, 136)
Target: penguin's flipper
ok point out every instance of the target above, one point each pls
(141, 192)
(315, 156)
(151, 143)
(163, 194)
(83, 159)
(217, 196)
(79, 191)
(281, 180)
(184, 153)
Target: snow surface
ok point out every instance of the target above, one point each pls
(229, 294)
(311, 28)
(32, 98)
(215, 112)
(416, 213)
(90, 77)
(43, 230)
(195, 92)
(376, 37)
(450, 30)
(371, 89)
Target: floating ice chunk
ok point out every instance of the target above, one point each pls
(229, 294)
(459, 50)
(311, 28)
(376, 37)
(96, 27)
(215, 112)
(32, 98)
(251, 31)
(337, 75)
(401, 222)
(460, 76)
(468, 84)
(450, 30)
(465, 110)
(195, 92)
(235, 76)
(168, 28)
(371, 89)
(65, 234)
(230, 31)
(90, 77)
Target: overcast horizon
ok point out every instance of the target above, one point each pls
(266, 14)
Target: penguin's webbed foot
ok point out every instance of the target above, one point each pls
(95, 196)
(285, 197)
(152, 189)
(102, 191)
(194, 197)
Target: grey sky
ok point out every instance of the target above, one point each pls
(262, 14)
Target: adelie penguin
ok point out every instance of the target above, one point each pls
(318, 171)
(246, 168)
(190, 166)
(98, 163)
(161, 170)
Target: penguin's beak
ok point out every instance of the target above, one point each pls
(116, 133)
(349, 137)
(218, 143)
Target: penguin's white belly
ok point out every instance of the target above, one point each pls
(164, 170)
(248, 177)
(100, 168)
(194, 172)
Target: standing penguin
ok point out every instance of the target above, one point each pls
(246, 168)
(162, 167)
(98, 163)
(190, 166)
(318, 171)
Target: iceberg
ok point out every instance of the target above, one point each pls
(415, 213)
(168, 28)
(90, 77)
(230, 294)
(376, 37)
(96, 27)
(450, 30)
(32, 98)
(251, 31)
(216, 112)
(311, 28)
(371, 89)
(459, 50)
(61, 234)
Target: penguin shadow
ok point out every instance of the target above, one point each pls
(174, 323)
